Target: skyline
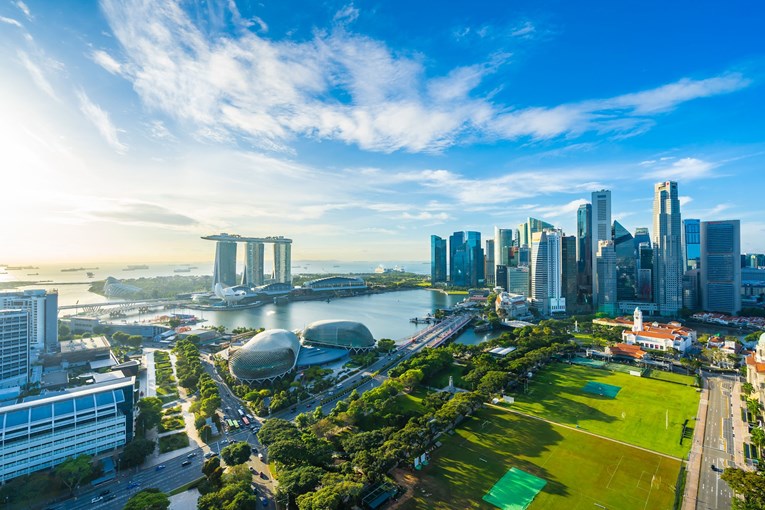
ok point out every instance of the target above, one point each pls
(134, 129)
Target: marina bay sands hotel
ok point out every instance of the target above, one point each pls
(224, 271)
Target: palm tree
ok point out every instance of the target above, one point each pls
(758, 439)
(753, 406)
(747, 388)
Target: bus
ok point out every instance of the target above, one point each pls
(245, 421)
(241, 413)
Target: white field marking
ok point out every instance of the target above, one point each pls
(615, 470)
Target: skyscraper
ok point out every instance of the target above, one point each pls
(720, 268)
(547, 271)
(253, 264)
(519, 280)
(668, 253)
(605, 284)
(475, 265)
(283, 263)
(569, 271)
(584, 255)
(500, 278)
(645, 272)
(527, 229)
(224, 271)
(503, 243)
(14, 348)
(691, 243)
(626, 263)
(437, 259)
(488, 262)
(457, 259)
(42, 309)
(600, 231)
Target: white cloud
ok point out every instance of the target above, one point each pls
(684, 200)
(684, 169)
(425, 215)
(10, 21)
(23, 7)
(348, 87)
(106, 61)
(526, 29)
(100, 119)
(37, 74)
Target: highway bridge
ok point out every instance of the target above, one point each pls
(124, 305)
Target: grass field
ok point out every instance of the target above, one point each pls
(688, 380)
(638, 415)
(581, 470)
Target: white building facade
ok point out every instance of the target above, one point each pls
(42, 308)
(547, 272)
(42, 433)
(658, 337)
(14, 348)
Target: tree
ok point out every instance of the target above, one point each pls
(237, 474)
(747, 484)
(747, 388)
(237, 453)
(753, 406)
(386, 345)
(289, 452)
(411, 378)
(74, 470)
(148, 499)
(205, 433)
(135, 452)
(758, 437)
(277, 429)
(149, 413)
(301, 479)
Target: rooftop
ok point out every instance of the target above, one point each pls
(84, 344)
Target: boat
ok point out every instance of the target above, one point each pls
(32, 274)
(90, 274)
(135, 267)
(20, 268)
(72, 269)
(182, 270)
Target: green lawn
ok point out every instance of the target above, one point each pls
(646, 412)
(173, 442)
(582, 471)
(688, 380)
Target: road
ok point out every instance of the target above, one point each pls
(717, 451)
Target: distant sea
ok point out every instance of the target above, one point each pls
(73, 286)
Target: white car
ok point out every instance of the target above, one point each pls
(97, 499)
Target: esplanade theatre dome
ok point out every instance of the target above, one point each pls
(339, 333)
(266, 356)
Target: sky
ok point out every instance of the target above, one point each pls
(358, 129)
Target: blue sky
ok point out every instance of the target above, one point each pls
(359, 129)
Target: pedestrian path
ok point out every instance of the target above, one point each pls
(740, 428)
(693, 467)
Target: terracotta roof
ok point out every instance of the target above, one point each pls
(631, 350)
(661, 335)
(758, 367)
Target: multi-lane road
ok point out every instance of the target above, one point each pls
(717, 453)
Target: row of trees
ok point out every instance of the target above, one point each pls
(227, 489)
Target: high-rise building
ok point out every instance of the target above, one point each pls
(527, 229)
(668, 253)
(283, 263)
(691, 289)
(437, 259)
(501, 276)
(254, 256)
(475, 263)
(547, 272)
(457, 258)
(584, 256)
(720, 271)
(519, 280)
(645, 272)
(14, 348)
(42, 308)
(43, 432)
(224, 271)
(503, 244)
(524, 256)
(601, 231)
(691, 243)
(626, 263)
(569, 272)
(605, 284)
(488, 262)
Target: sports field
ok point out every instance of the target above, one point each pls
(581, 470)
(646, 412)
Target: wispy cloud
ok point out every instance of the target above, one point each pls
(684, 200)
(106, 61)
(525, 29)
(37, 74)
(144, 214)
(100, 119)
(684, 169)
(351, 88)
(23, 7)
(10, 21)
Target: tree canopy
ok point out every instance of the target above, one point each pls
(148, 499)
(74, 470)
(236, 453)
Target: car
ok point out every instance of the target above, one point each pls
(224, 441)
(97, 499)
(104, 492)
(263, 475)
(186, 463)
(160, 467)
(717, 469)
(133, 485)
(253, 470)
(255, 450)
(264, 501)
(193, 454)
